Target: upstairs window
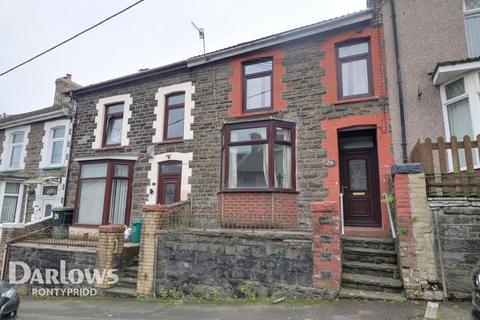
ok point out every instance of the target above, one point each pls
(17, 139)
(259, 156)
(174, 116)
(472, 27)
(258, 93)
(113, 124)
(57, 143)
(354, 75)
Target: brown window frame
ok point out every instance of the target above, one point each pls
(340, 61)
(169, 107)
(109, 178)
(107, 121)
(245, 78)
(271, 141)
(169, 175)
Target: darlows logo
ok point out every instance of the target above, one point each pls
(56, 277)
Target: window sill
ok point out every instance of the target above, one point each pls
(355, 100)
(11, 170)
(111, 148)
(52, 168)
(171, 142)
(254, 114)
(258, 191)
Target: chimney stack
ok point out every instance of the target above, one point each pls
(63, 85)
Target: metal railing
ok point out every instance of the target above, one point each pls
(49, 236)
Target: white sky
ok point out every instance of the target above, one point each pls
(149, 35)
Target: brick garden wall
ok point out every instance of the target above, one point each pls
(459, 233)
(232, 263)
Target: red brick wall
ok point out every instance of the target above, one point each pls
(326, 246)
(258, 209)
(236, 80)
(329, 63)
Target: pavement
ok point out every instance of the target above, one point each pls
(116, 308)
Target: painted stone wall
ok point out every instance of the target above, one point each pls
(458, 225)
(49, 258)
(234, 263)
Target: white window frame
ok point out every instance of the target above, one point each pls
(8, 147)
(18, 212)
(189, 104)
(472, 93)
(47, 142)
(127, 101)
(465, 14)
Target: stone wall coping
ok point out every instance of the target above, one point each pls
(112, 228)
(155, 208)
(54, 247)
(406, 168)
(13, 225)
(453, 202)
(247, 234)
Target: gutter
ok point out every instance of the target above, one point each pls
(35, 118)
(129, 78)
(401, 103)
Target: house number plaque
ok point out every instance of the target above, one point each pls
(329, 163)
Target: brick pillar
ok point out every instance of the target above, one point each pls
(155, 217)
(415, 230)
(110, 249)
(326, 246)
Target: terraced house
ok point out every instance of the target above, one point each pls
(34, 150)
(247, 136)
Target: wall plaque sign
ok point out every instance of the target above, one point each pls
(329, 163)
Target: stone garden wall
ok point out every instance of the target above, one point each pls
(458, 226)
(235, 263)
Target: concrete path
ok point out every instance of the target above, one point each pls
(66, 309)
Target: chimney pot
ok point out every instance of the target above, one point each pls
(68, 76)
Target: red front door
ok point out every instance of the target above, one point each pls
(169, 182)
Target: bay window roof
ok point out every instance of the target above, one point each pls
(449, 70)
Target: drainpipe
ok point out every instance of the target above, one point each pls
(399, 82)
(69, 163)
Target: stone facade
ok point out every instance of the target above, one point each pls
(235, 263)
(301, 98)
(457, 227)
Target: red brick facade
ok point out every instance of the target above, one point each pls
(329, 63)
(236, 80)
(258, 209)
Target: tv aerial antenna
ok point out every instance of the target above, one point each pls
(201, 35)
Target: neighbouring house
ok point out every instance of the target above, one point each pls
(438, 67)
(249, 137)
(432, 51)
(34, 148)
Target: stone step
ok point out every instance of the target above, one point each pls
(128, 282)
(119, 291)
(374, 269)
(369, 255)
(347, 293)
(373, 243)
(131, 272)
(371, 283)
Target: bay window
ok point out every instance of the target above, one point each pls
(472, 27)
(104, 193)
(259, 156)
(354, 76)
(461, 109)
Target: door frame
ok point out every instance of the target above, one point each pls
(377, 222)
